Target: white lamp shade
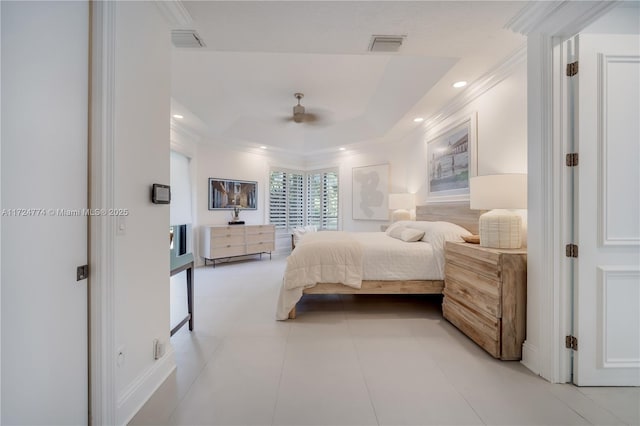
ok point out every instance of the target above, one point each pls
(506, 191)
(403, 201)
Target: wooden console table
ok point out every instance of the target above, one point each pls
(188, 267)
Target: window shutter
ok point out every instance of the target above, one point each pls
(286, 199)
(277, 200)
(322, 199)
(330, 200)
(295, 200)
(298, 199)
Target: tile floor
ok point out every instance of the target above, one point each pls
(346, 360)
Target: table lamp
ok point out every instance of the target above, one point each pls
(401, 204)
(504, 195)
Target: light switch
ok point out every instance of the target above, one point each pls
(121, 225)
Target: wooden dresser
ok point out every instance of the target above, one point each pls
(221, 242)
(485, 296)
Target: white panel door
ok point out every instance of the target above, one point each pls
(44, 181)
(607, 286)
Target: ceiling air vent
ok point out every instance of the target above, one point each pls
(386, 43)
(186, 38)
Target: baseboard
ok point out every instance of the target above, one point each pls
(141, 389)
(531, 357)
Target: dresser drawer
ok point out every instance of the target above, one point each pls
(227, 230)
(476, 290)
(478, 327)
(260, 247)
(226, 240)
(260, 237)
(260, 229)
(488, 266)
(227, 251)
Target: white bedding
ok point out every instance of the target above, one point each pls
(332, 257)
(386, 258)
(349, 258)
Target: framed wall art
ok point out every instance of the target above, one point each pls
(227, 194)
(451, 161)
(370, 191)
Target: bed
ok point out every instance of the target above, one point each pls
(335, 262)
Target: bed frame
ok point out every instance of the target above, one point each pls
(458, 213)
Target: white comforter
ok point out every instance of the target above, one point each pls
(331, 257)
(349, 258)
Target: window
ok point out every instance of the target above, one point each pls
(322, 199)
(299, 198)
(286, 201)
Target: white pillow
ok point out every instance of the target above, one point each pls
(411, 235)
(436, 233)
(396, 232)
(398, 224)
(299, 232)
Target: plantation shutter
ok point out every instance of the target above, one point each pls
(278, 199)
(322, 199)
(286, 199)
(295, 200)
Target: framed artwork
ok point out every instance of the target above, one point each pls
(370, 191)
(451, 161)
(226, 194)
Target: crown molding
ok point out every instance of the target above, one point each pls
(533, 15)
(175, 13)
(557, 17)
(180, 131)
(479, 87)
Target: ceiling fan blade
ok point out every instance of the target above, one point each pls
(311, 117)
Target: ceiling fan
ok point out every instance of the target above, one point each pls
(299, 113)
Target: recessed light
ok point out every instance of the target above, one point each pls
(178, 116)
(418, 120)
(459, 84)
(263, 147)
(342, 148)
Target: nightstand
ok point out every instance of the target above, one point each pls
(485, 296)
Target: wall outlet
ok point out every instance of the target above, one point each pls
(158, 349)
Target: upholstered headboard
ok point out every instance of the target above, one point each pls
(458, 213)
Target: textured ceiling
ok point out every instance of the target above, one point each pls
(239, 89)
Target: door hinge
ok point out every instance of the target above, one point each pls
(82, 272)
(571, 250)
(572, 159)
(571, 342)
(572, 69)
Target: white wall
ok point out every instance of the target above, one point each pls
(142, 137)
